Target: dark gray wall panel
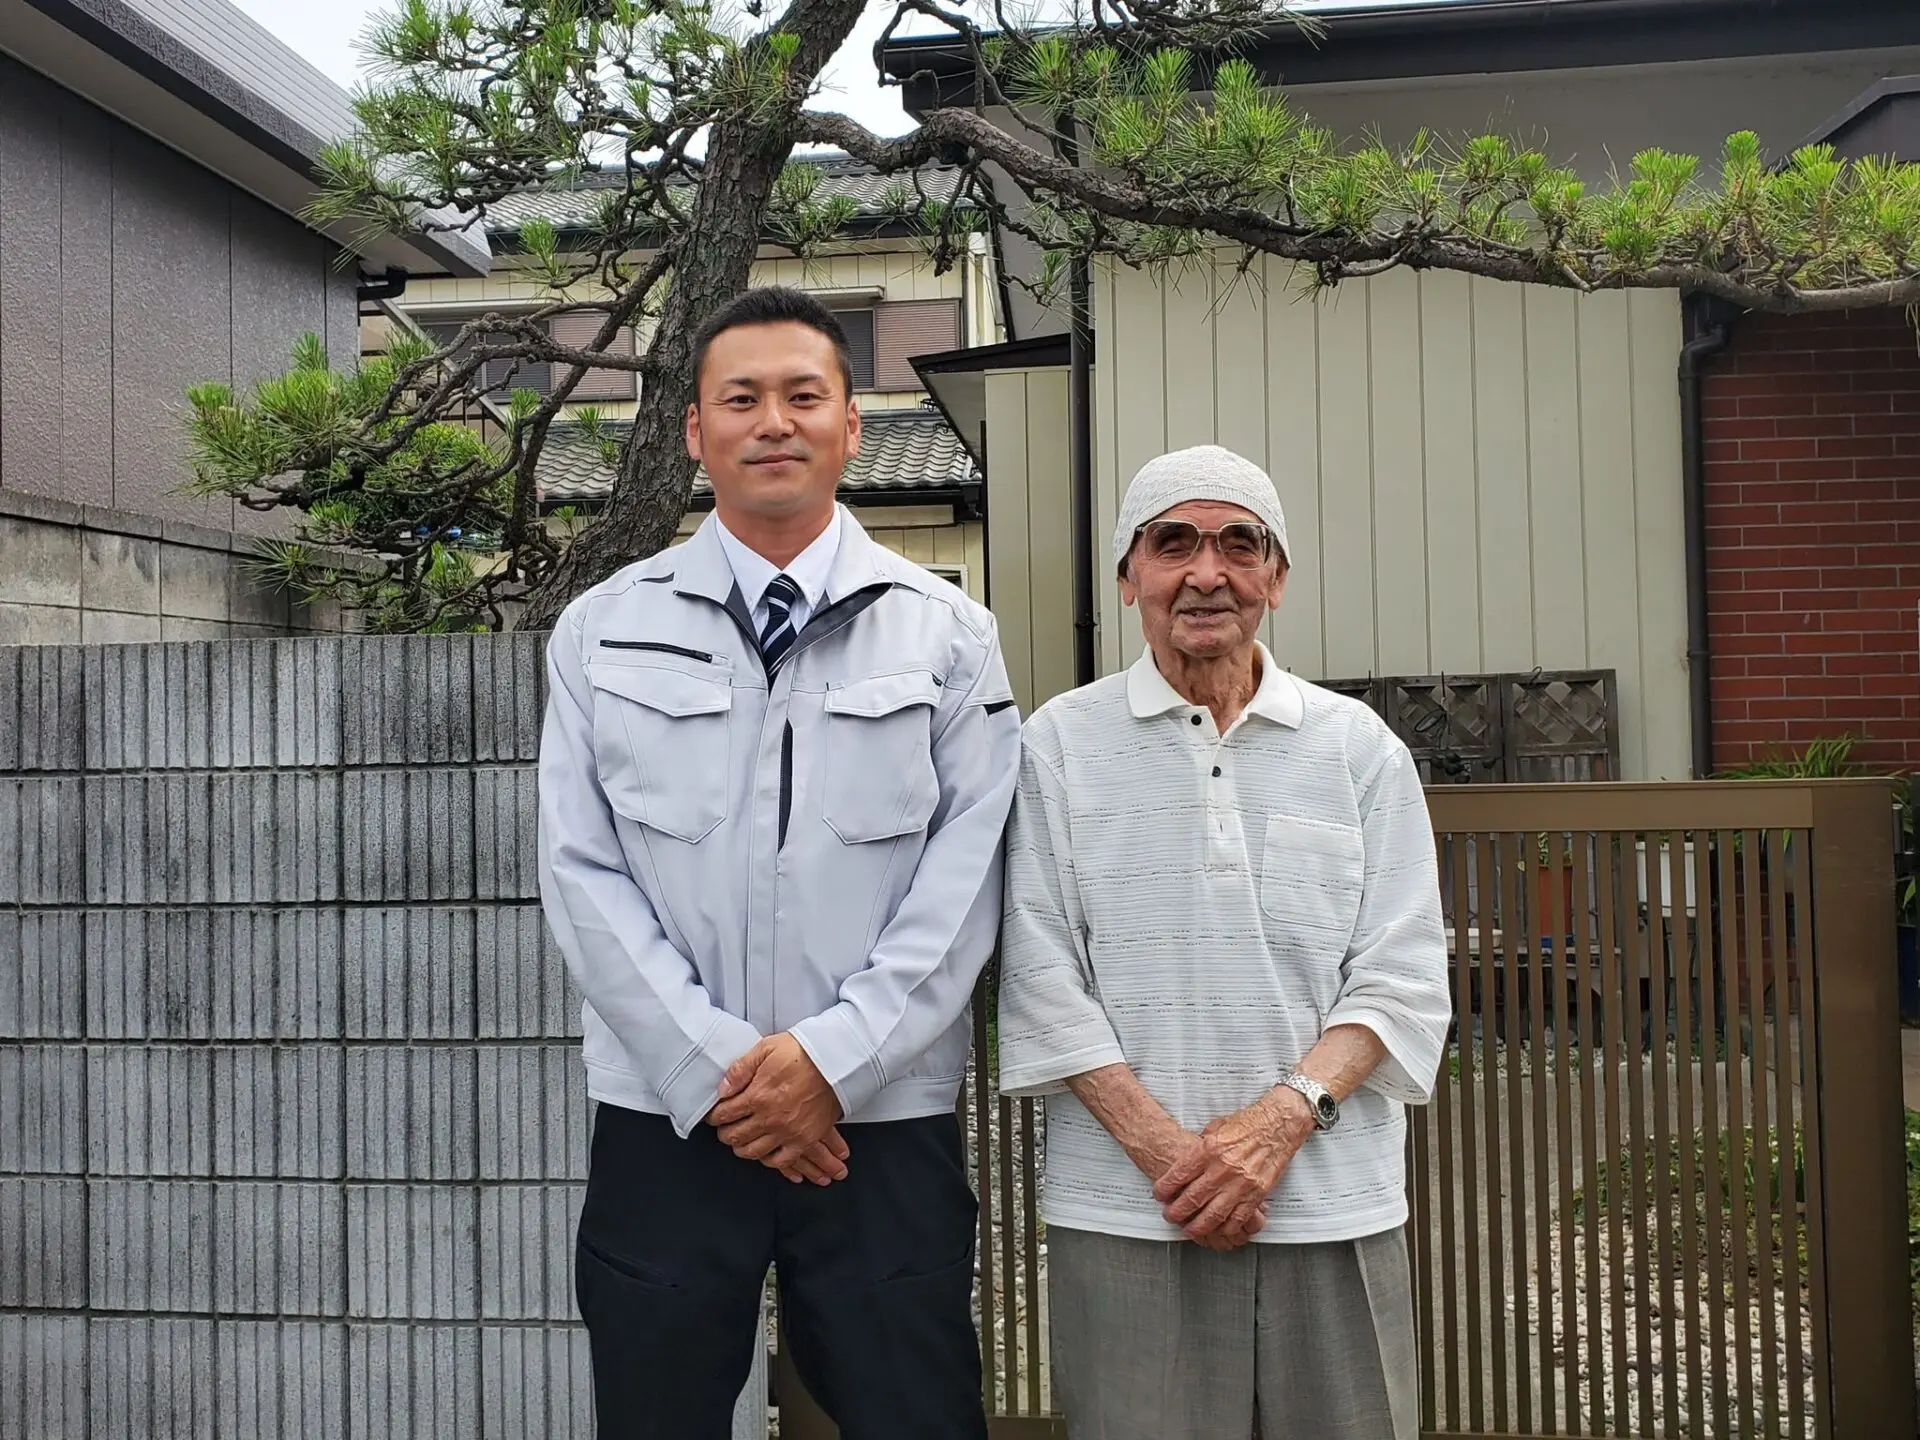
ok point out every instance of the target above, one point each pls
(86, 306)
(279, 294)
(172, 322)
(29, 283)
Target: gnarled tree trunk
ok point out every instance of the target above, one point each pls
(655, 482)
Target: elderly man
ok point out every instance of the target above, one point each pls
(1224, 966)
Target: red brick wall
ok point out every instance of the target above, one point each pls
(1813, 535)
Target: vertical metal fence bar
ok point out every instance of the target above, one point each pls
(1513, 946)
(1492, 1019)
(1461, 1161)
(1760, 962)
(1009, 1257)
(1793, 847)
(1811, 1043)
(1596, 858)
(1613, 988)
(1634, 950)
(1660, 1040)
(1706, 947)
(1736, 910)
(1560, 860)
(983, 1182)
(1538, 1072)
(1030, 1217)
(1667, 879)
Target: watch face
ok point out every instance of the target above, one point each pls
(1328, 1109)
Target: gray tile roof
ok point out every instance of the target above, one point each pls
(900, 450)
(575, 204)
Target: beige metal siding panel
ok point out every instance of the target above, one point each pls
(1399, 474)
(1452, 475)
(1346, 484)
(906, 329)
(1554, 485)
(1609, 510)
(1009, 526)
(1050, 543)
(576, 332)
(1293, 431)
(1660, 559)
(1138, 358)
(1240, 379)
(1500, 425)
(1189, 369)
(976, 551)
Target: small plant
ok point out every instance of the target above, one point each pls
(1828, 758)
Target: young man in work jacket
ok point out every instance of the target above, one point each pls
(775, 771)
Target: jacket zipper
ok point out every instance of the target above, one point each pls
(659, 645)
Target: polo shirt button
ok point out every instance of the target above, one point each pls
(1196, 719)
(1216, 772)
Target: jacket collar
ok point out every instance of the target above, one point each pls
(1277, 697)
(703, 568)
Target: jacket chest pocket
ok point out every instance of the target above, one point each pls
(879, 780)
(1311, 877)
(661, 742)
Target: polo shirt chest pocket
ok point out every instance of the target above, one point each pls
(879, 780)
(661, 742)
(1312, 875)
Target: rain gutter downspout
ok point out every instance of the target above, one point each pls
(1710, 328)
(1080, 442)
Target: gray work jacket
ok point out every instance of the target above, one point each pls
(726, 854)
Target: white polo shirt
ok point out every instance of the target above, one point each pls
(1202, 907)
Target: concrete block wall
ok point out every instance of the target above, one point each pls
(81, 574)
(292, 1123)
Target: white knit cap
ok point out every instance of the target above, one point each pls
(1201, 472)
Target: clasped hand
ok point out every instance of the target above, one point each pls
(776, 1107)
(1214, 1185)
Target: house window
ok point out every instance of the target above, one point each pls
(502, 377)
(884, 338)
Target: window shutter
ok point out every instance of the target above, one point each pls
(859, 327)
(906, 328)
(498, 377)
(576, 332)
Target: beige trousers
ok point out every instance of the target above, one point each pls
(1156, 1341)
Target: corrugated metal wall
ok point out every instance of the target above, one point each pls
(1477, 476)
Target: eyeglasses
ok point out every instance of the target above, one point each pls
(1243, 544)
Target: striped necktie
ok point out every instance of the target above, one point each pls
(777, 636)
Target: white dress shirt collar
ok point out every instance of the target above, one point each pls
(753, 572)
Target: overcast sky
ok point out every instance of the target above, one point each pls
(327, 34)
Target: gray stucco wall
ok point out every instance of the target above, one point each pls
(292, 1125)
(128, 273)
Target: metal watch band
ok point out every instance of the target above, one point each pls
(1326, 1109)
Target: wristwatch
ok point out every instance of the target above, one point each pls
(1326, 1109)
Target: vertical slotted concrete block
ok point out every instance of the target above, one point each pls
(151, 1379)
(412, 1382)
(42, 971)
(151, 1246)
(538, 1383)
(43, 1377)
(279, 1380)
(288, 1246)
(43, 1109)
(43, 1244)
(147, 1110)
(43, 825)
(526, 1251)
(410, 974)
(410, 1113)
(532, 1112)
(150, 974)
(524, 991)
(412, 1252)
(276, 1111)
(277, 974)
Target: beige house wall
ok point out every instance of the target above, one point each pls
(1477, 476)
(1029, 530)
(883, 269)
(928, 535)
